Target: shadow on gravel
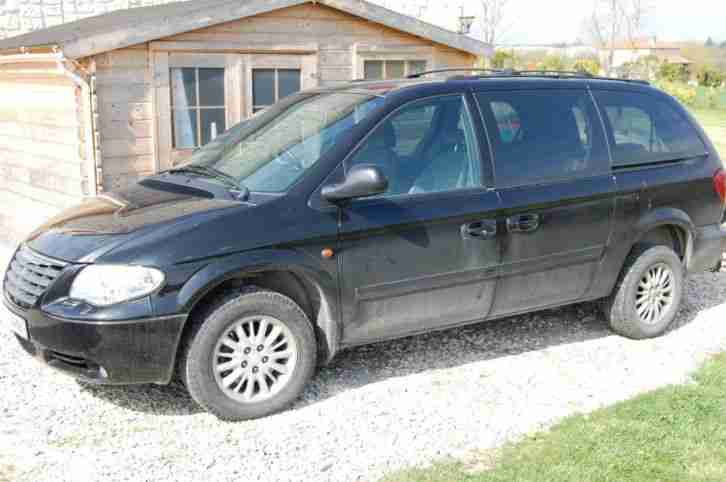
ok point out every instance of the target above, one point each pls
(157, 399)
(450, 348)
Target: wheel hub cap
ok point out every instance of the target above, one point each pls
(655, 293)
(254, 359)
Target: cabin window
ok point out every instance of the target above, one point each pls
(391, 69)
(197, 103)
(269, 86)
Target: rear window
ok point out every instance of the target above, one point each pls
(543, 136)
(645, 129)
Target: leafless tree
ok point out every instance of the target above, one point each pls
(492, 20)
(614, 20)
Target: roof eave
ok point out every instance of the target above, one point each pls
(99, 42)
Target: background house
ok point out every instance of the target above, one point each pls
(627, 52)
(97, 103)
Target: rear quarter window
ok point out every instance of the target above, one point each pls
(644, 129)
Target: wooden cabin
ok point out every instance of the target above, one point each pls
(98, 103)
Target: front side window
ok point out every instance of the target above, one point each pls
(645, 129)
(270, 86)
(269, 152)
(391, 69)
(427, 146)
(198, 108)
(543, 136)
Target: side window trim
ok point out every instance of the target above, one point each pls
(486, 153)
(361, 144)
(607, 133)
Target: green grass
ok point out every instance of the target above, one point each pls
(714, 122)
(674, 433)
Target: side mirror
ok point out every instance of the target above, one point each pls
(361, 181)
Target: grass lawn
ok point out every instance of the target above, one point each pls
(674, 433)
(714, 122)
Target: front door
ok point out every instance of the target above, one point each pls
(425, 254)
(552, 172)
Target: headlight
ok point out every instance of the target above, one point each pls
(104, 285)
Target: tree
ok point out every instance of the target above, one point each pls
(492, 20)
(710, 43)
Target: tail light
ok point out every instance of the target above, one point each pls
(719, 184)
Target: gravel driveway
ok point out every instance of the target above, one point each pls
(376, 409)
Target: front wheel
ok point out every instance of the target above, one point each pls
(251, 356)
(648, 294)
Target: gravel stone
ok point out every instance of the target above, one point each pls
(374, 410)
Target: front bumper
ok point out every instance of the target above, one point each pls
(105, 352)
(708, 249)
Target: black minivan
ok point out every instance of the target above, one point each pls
(368, 211)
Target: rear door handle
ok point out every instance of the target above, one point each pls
(485, 229)
(523, 223)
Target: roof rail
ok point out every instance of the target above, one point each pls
(554, 73)
(418, 75)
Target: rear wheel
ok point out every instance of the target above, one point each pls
(251, 356)
(648, 294)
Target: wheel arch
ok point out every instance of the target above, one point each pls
(288, 272)
(675, 221)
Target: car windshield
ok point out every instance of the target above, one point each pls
(271, 151)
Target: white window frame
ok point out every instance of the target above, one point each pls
(406, 66)
(388, 53)
(198, 107)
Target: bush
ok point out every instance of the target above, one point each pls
(683, 92)
(672, 73)
(552, 62)
(700, 97)
(591, 66)
(710, 77)
(503, 59)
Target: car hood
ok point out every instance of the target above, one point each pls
(96, 226)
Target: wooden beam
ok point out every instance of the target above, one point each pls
(234, 47)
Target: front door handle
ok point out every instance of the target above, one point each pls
(523, 223)
(485, 229)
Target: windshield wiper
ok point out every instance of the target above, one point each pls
(240, 190)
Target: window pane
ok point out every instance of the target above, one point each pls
(263, 87)
(183, 87)
(211, 87)
(185, 128)
(449, 162)
(288, 82)
(416, 66)
(408, 127)
(647, 129)
(373, 69)
(395, 69)
(544, 136)
(213, 124)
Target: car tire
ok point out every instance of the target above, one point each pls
(648, 293)
(224, 335)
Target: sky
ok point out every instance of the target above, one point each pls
(554, 21)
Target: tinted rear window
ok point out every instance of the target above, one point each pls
(543, 136)
(645, 129)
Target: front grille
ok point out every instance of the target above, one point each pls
(29, 276)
